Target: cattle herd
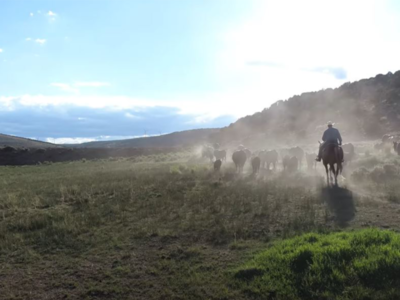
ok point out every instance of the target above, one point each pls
(291, 159)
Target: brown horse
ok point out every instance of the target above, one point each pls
(331, 155)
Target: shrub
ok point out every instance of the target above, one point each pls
(349, 265)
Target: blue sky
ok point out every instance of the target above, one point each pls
(75, 71)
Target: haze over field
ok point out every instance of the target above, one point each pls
(202, 149)
(99, 70)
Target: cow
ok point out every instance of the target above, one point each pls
(386, 138)
(268, 158)
(348, 151)
(239, 158)
(248, 153)
(207, 152)
(311, 162)
(298, 153)
(293, 164)
(383, 147)
(396, 147)
(217, 165)
(285, 162)
(348, 148)
(220, 154)
(255, 163)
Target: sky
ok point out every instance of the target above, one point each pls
(74, 71)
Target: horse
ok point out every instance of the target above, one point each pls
(331, 155)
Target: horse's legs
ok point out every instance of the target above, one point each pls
(336, 173)
(332, 172)
(327, 175)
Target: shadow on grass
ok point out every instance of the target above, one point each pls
(341, 202)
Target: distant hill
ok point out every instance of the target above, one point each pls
(19, 142)
(364, 109)
(176, 139)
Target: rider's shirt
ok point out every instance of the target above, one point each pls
(332, 135)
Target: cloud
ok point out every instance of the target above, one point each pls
(77, 140)
(52, 16)
(40, 41)
(65, 87)
(80, 140)
(1, 50)
(131, 116)
(31, 14)
(91, 84)
(28, 39)
(72, 121)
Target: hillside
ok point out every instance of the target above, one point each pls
(19, 142)
(364, 109)
(175, 139)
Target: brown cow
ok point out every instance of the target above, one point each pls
(311, 162)
(255, 163)
(217, 165)
(239, 158)
(220, 154)
(268, 158)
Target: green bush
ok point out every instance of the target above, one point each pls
(349, 265)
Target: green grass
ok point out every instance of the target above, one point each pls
(347, 265)
(156, 227)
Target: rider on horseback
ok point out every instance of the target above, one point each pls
(331, 136)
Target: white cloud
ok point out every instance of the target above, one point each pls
(131, 116)
(91, 84)
(52, 16)
(65, 87)
(28, 39)
(80, 140)
(40, 41)
(1, 50)
(205, 109)
(31, 14)
(67, 140)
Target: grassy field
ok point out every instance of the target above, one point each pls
(168, 227)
